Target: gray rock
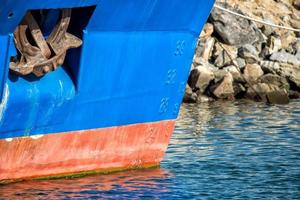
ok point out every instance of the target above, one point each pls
(268, 30)
(249, 53)
(224, 88)
(241, 62)
(270, 67)
(284, 57)
(252, 72)
(234, 30)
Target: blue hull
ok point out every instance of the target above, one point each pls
(131, 68)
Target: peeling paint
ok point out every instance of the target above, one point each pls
(35, 137)
(4, 101)
(9, 139)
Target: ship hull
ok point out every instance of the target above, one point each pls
(112, 103)
(98, 150)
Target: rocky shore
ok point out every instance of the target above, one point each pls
(237, 58)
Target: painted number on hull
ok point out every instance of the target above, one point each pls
(180, 45)
(164, 104)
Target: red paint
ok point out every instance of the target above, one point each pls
(82, 151)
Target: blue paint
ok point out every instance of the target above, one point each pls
(132, 67)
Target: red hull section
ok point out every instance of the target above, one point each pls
(108, 149)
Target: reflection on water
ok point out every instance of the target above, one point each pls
(222, 150)
(124, 185)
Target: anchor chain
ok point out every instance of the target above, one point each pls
(46, 54)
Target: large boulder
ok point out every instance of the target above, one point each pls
(224, 88)
(234, 30)
(200, 77)
(252, 72)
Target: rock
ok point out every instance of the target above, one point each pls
(284, 57)
(241, 62)
(296, 4)
(189, 96)
(274, 44)
(236, 74)
(208, 49)
(268, 30)
(252, 72)
(219, 75)
(199, 79)
(204, 99)
(294, 78)
(249, 53)
(222, 60)
(292, 73)
(221, 56)
(296, 47)
(234, 30)
(294, 94)
(259, 91)
(224, 88)
(295, 23)
(287, 38)
(270, 67)
(204, 50)
(278, 97)
(239, 90)
(273, 79)
(207, 31)
(265, 52)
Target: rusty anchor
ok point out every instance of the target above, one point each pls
(45, 55)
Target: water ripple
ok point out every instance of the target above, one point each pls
(225, 150)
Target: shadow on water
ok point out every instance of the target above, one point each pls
(222, 150)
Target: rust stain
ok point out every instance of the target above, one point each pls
(39, 59)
